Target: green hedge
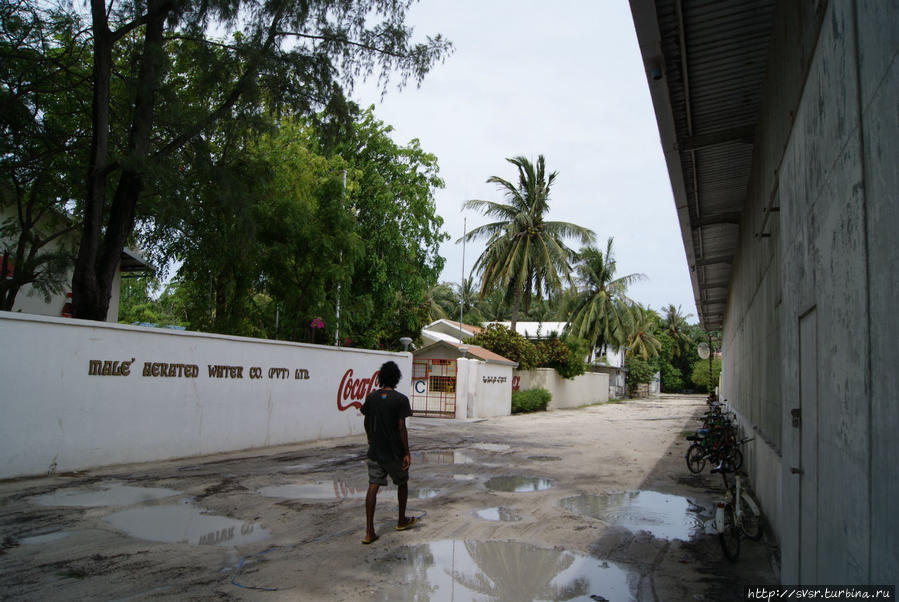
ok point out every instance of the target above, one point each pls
(532, 400)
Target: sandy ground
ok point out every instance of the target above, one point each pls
(609, 511)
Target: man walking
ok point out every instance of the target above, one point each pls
(385, 412)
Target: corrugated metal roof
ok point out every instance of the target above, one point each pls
(705, 61)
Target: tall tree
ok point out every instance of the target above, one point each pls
(43, 69)
(674, 324)
(600, 314)
(525, 254)
(641, 335)
(293, 53)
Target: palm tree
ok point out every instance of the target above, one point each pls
(525, 254)
(600, 314)
(641, 340)
(675, 326)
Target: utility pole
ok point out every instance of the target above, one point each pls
(337, 327)
(462, 287)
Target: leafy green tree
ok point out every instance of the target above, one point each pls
(700, 374)
(525, 254)
(600, 315)
(390, 197)
(509, 344)
(565, 356)
(638, 372)
(42, 116)
(287, 55)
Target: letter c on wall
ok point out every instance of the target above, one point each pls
(341, 393)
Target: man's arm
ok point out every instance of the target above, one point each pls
(367, 423)
(404, 439)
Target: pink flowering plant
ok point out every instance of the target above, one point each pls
(316, 324)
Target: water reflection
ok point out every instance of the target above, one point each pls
(494, 570)
(322, 490)
(518, 484)
(544, 458)
(497, 513)
(185, 523)
(45, 538)
(112, 493)
(441, 457)
(665, 516)
(493, 447)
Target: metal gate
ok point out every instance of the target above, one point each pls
(434, 388)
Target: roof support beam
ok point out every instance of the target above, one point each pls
(727, 217)
(714, 260)
(743, 133)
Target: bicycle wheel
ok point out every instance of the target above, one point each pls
(734, 460)
(695, 458)
(751, 521)
(730, 536)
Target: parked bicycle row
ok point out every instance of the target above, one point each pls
(717, 443)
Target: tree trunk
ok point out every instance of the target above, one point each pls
(516, 306)
(97, 261)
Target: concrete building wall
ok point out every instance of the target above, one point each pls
(78, 394)
(584, 389)
(809, 325)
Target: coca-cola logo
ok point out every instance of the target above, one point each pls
(355, 389)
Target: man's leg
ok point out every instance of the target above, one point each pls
(371, 497)
(402, 495)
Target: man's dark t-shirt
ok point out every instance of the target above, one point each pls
(384, 409)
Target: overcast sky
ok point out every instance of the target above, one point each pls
(563, 79)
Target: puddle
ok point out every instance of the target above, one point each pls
(464, 477)
(45, 538)
(322, 490)
(497, 513)
(420, 493)
(185, 523)
(442, 457)
(545, 458)
(665, 516)
(106, 494)
(492, 447)
(518, 484)
(496, 570)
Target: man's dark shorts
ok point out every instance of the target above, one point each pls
(377, 472)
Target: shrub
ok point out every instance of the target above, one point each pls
(499, 339)
(532, 400)
(700, 375)
(638, 372)
(565, 357)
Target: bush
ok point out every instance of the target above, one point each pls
(638, 372)
(532, 400)
(700, 375)
(565, 357)
(499, 339)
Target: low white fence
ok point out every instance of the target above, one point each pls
(484, 389)
(585, 389)
(78, 394)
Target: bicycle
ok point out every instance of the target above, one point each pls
(718, 448)
(736, 516)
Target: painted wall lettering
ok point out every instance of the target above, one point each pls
(166, 370)
(494, 379)
(354, 389)
(109, 368)
(255, 372)
(301, 374)
(225, 371)
(278, 373)
(516, 382)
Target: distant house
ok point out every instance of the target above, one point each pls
(448, 331)
(31, 301)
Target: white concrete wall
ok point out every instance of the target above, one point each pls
(811, 320)
(60, 410)
(584, 389)
(483, 389)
